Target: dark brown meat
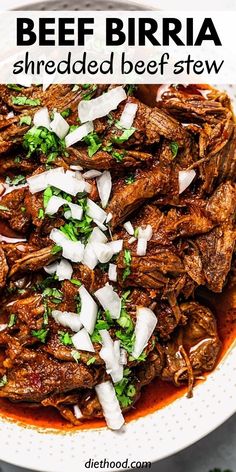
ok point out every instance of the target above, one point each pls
(104, 160)
(36, 379)
(34, 261)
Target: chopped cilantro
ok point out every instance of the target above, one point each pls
(118, 156)
(65, 338)
(12, 320)
(130, 179)
(76, 282)
(56, 249)
(54, 294)
(94, 143)
(125, 390)
(124, 136)
(23, 209)
(17, 180)
(15, 87)
(130, 89)
(88, 95)
(100, 324)
(76, 355)
(136, 230)
(43, 141)
(25, 120)
(3, 381)
(41, 214)
(127, 261)
(86, 86)
(174, 148)
(47, 194)
(125, 320)
(4, 208)
(40, 334)
(70, 231)
(65, 113)
(17, 159)
(23, 100)
(91, 360)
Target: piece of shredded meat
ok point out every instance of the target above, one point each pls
(192, 242)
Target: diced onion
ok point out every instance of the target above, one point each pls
(112, 272)
(41, 118)
(103, 252)
(67, 319)
(145, 324)
(64, 270)
(82, 341)
(72, 250)
(77, 412)
(132, 240)
(95, 211)
(97, 236)
(59, 125)
(104, 185)
(65, 181)
(91, 174)
(10, 114)
(5, 239)
(128, 115)
(123, 356)
(116, 245)
(109, 300)
(129, 228)
(109, 217)
(79, 133)
(10, 189)
(100, 225)
(110, 406)
(39, 182)
(110, 353)
(141, 247)
(145, 233)
(185, 179)
(51, 268)
(98, 107)
(89, 309)
(3, 326)
(75, 167)
(89, 258)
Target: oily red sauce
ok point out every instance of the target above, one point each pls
(154, 396)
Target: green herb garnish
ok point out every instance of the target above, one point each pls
(91, 360)
(56, 249)
(3, 381)
(12, 320)
(94, 143)
(65, 113)
(125, 390)
(65, 338)
(17, 180)
(174, 148)
(23, 100)
(130, 179)
(40, 334)
(127, 261)
(127, 133)
(76, 282)
(41, 214)
(76, 355)
(25, 120)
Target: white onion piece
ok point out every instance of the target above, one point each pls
(5, 239)
(89, 309)
(185, 179)
(82, 341)
(132, 240)
(104, 185)
(3, 326)
(116, 245)
(109, 300)
(76, 211)
(145, 233)
(64, 270)
(39, 182)
(10, 189)
(91, 174)
(67, 319)
(89, 258)
(77, 168)
(59, 125)
(141, 247)
(100, 225)
(129, 228)
(110, 353)
(112, 272)
(145, 324)
(95, 211)
(123, 357)
(66, 182)
(103, 252)
(77, 412)
(89, 110)
(109, 217)
(78, 134)
(54, 204)
(72, 250)
(10, 114)
(51, 268)
(97, 236)
(110, 406)
(41, 118)
(128, 115)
